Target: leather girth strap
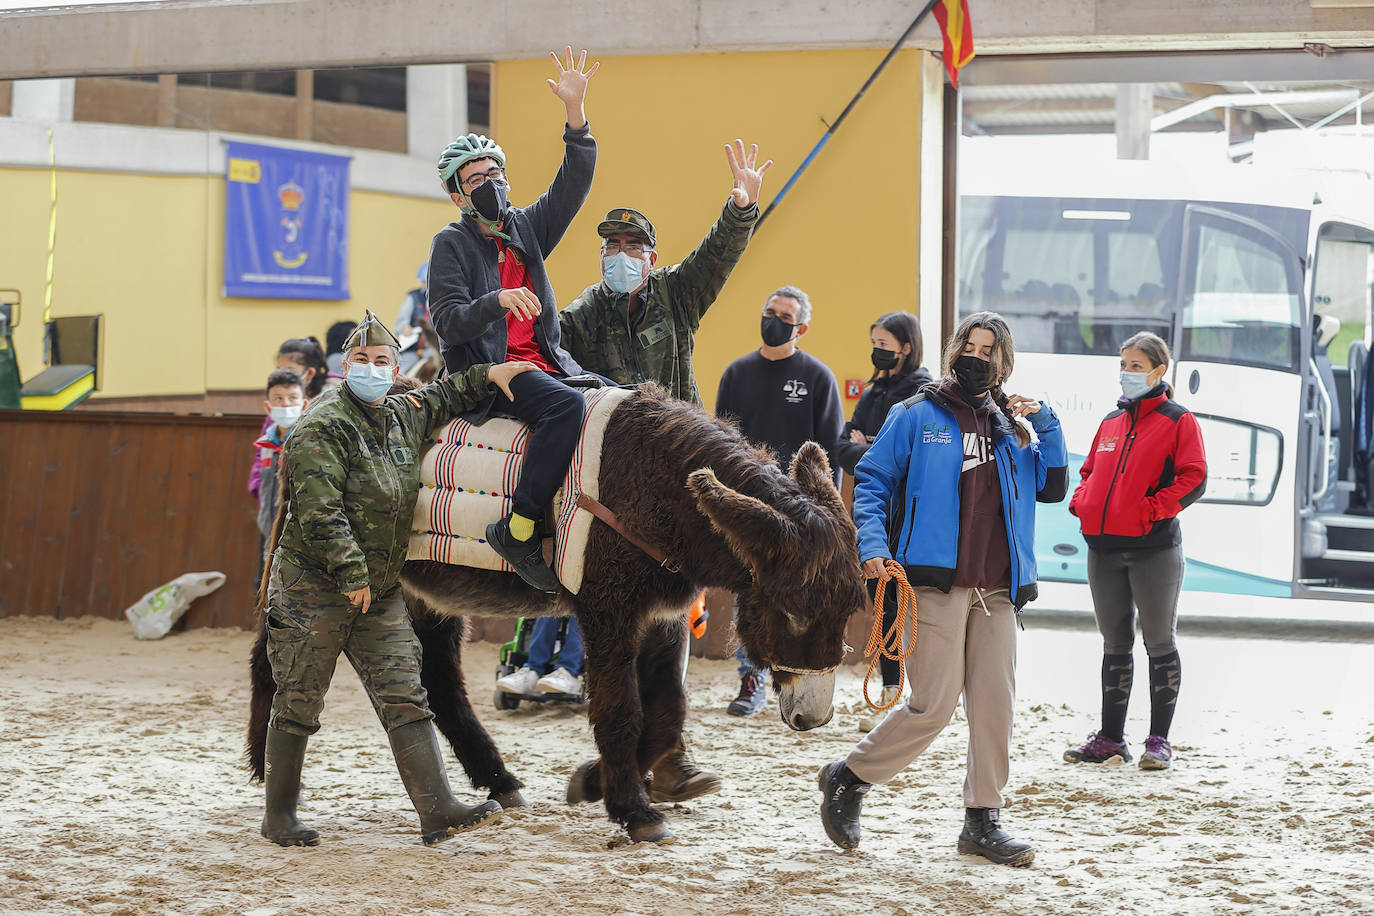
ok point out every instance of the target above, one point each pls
(606, 515)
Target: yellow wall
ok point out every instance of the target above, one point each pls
(147, 252)
(847, 232)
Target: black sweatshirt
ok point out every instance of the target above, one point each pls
(782, 403)
(869, 414)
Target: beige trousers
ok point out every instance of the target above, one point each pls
(961, 647)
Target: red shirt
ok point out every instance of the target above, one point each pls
(520, 342)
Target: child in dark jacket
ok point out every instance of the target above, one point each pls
(1146, 465)
(897, 375)
(948, 490)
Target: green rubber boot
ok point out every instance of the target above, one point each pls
(284, 756)
(422, 770)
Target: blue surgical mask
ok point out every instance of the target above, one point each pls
(286, 417)
(622, 273)
(1135, 384)
(369, 382)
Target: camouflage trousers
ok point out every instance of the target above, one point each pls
(309, 623)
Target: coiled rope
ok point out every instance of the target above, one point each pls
(889, 645)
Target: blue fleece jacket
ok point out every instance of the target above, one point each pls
(906, 495)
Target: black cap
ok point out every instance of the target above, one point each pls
(630, 222)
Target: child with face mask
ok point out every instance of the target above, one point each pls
(1145, 466)
(285, 401)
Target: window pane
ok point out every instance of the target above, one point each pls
(1243, 461)
(1070, 276)
(1344, 272)
(1245, 306)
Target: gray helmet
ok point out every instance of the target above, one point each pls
(465, 150)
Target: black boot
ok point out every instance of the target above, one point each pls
(284, 757)
(843, 797)
(983, 836)
(678, 778)
(416, 748)
(525, 557)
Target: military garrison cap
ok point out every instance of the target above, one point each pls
(630, 222)
(371, 333)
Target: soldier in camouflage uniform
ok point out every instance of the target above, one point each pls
(639, 324)
(350, 472)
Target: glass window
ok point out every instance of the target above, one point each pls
(1070, 276)
(1245, 306)
(1243, 461)
(1345, 269)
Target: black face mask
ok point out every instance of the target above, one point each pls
(884, 359)
(776, 332)
(973, 374)
(489, 200)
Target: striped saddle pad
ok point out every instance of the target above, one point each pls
(467, 477)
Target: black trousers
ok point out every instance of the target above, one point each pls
(554, 413)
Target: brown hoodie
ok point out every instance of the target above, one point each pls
(983, 560)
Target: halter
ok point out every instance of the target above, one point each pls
(804, 671)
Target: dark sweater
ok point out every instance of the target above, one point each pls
(464, 279)
(869, 414)
(781, 403)
(984, 559)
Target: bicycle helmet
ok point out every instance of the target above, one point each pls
(465, 150)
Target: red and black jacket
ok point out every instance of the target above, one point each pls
(1146, 465)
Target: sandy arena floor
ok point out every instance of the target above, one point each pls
(122, 795)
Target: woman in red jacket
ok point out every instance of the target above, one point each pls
(1146, 465)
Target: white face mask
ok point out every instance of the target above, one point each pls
(370, 382)
(286, 417)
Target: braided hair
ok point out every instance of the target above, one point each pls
(1003, 358)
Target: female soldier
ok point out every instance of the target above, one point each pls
(955, 464)
(1146, 465)
(351, 474)
(897, 375)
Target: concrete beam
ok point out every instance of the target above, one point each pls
(165, 36)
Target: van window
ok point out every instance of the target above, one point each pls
(1245, 307)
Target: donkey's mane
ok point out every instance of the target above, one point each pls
(697, 439)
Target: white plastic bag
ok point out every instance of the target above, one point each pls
(154, 613)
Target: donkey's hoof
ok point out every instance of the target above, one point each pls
(656, 832)
(511, 799)
(577, 784)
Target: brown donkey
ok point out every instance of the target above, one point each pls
(727, 517)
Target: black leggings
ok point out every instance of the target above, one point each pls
(554, 413)
(891, 669)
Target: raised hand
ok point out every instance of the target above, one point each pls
(571, 85)
(747, 178)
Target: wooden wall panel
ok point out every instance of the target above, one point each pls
(97, 509)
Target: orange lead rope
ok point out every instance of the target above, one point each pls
(889, 644)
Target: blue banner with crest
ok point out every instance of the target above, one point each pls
(285, 224)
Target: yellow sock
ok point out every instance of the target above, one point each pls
(521, 528)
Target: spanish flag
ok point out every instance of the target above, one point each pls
(952, 15)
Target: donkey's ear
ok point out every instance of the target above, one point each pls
(754, 530)
(811, 471)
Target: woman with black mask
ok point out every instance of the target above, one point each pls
(897, 375)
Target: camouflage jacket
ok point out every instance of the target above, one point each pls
(353, 474)
(657, 346)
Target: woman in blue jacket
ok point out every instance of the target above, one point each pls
(948, 490)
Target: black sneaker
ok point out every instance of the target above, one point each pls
(525, 557)
(752, 696)
(842, 797)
